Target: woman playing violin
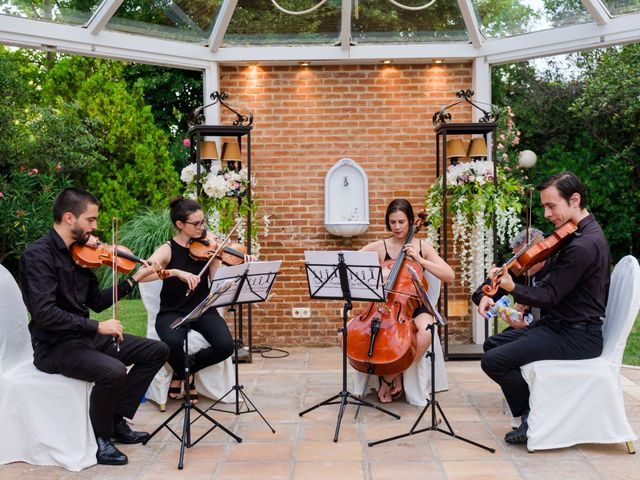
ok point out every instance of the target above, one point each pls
(399, 218)
(183, 289)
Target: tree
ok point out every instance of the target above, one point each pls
(137, 170)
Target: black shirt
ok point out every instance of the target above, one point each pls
(59, 293)
(173, 296)
(577, 287)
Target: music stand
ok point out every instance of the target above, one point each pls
(345, 276)
(254, 285)
(216, 291)
(426, 302)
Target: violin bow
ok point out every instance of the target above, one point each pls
(114, 273)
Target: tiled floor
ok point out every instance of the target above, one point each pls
(303, 447)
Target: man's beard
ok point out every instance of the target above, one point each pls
(79, 235)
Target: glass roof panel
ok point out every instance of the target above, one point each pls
(502, 19)
(182, 20)
(74, 12)
(376, 21)
(260, 22)
(622, 7)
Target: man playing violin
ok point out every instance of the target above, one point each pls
(573, 298)
(183, 289)
(58, 294)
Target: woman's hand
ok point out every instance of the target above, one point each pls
(189, 278)
(250, 258)
(412, 252)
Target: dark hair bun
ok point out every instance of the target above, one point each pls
(175, 201)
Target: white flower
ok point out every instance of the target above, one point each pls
(215, 186)
(188, 173)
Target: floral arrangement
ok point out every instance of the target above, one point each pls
(473, 200)
(223, 196)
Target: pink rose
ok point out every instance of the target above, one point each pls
(58, 166)
(1, 195)
(186, 142)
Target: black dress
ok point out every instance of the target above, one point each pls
(175, 303)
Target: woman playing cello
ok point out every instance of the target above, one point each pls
(183, 289)
(398, 220)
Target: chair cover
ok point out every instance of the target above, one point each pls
(581, 401)
(44, 417)
(417, 378)
(212, 382)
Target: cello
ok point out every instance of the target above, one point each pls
(382, 339)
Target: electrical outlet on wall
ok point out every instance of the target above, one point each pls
(301, 312)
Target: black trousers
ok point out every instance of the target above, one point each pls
(506, 352)
(116, 393)
(211, 326)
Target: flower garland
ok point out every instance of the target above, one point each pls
(223, 199)
(473, 201)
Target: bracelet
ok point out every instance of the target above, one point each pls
(132, 281)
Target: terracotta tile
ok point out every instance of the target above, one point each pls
(255, 471)
(259, 452)
(342, 451)
(489, 470)
(328, 470)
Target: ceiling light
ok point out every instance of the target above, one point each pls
(387, 62)
(305, 64)
(438, 60)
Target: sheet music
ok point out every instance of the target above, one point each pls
(223, 274)
(363, 274)
(260, 276)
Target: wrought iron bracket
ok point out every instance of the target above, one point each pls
(197, 116)
(443, 116)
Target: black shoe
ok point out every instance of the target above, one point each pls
(108, 454)
(519, 435)
(122, 433)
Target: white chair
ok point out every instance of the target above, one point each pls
(212, 382)
(44, 417)
(581, 401)
(417, 378)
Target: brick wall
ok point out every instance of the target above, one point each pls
(306, 119)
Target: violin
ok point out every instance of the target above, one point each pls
(382, 339)
(97, 254)
(204, 248)
(535, 252)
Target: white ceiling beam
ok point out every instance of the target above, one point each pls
(345, 25)
(369, 53)
(598, 11)
(471, 22)
(27, 33)
(102, 15)
(620, 30)
(221, 25)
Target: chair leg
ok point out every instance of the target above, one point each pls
(631, 447)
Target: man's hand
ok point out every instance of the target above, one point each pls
(506, 282)
(111, 327)
(485, 304)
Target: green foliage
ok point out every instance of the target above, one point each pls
(586, 124)
(137, 170)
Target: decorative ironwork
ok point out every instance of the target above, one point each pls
(442, 116)
(197, 117)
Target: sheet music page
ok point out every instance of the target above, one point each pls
(223, 274)
(260, 276)
(365, 281)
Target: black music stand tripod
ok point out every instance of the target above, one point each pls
(187, 406)
(431, 402)
(345, 273)
(253, 287)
